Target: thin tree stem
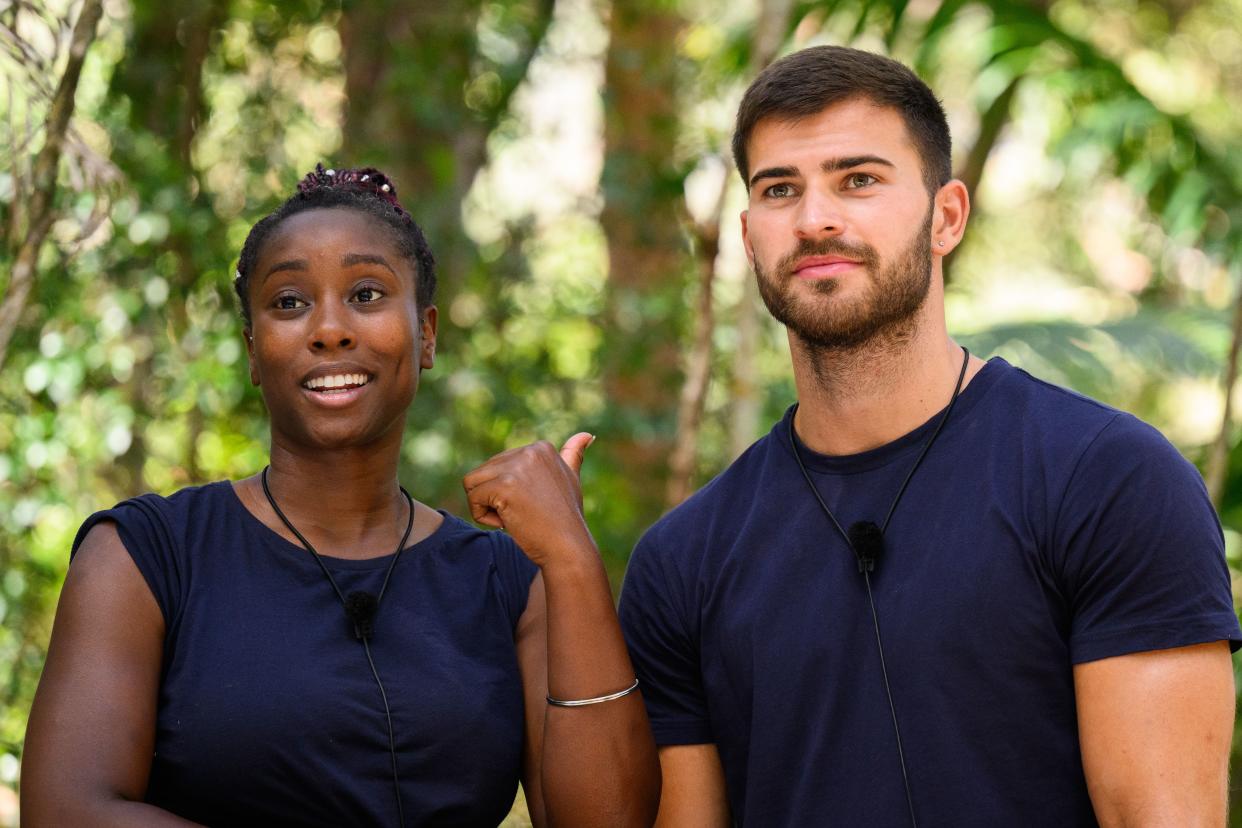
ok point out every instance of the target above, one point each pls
(1218, 456)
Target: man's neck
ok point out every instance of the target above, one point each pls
(854, 400)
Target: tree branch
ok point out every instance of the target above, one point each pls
(991, 122)
(43, 191)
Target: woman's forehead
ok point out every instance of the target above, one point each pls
(332, 226)
(333, 238)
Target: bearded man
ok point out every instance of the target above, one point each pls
(940, 591)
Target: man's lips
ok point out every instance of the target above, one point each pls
(823, 267)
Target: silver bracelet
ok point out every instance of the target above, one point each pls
(596, 700)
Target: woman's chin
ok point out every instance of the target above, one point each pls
(334, 438)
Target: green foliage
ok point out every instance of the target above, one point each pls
(127, 372)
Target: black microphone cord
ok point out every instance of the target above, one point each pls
(360, 608)
(866, 541)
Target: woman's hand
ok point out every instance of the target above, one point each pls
(533, 493)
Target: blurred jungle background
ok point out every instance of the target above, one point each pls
(568, 160)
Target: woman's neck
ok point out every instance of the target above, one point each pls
(347, 503)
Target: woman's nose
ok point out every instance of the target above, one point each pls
(331, 330)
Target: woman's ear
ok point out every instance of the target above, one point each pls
(248, 335)
(427, 348)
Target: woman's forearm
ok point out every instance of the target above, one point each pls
(598, 759)
(96, 811)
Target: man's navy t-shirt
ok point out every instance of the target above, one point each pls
(1042, 530)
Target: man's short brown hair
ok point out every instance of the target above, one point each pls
(807, 82)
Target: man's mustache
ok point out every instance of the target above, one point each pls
(862, 253)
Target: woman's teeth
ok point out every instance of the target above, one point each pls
(336, 382)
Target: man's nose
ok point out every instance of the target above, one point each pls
(820, 214)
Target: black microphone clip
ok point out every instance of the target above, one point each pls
(868, 543)
(360, 609)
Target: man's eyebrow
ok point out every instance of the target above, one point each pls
(831, 165)
(773, 172)
(850, 161)
(366, 258)
(288, 264)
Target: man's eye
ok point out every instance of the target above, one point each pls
(368, 294)
(288, 302)
(855, 181)
(779, 191)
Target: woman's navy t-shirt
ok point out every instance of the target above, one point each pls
(268, 712)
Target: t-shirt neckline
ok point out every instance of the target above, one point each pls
(284, 546)
(880, 456)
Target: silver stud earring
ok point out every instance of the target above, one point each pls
(941, 244)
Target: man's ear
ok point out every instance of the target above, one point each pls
(427, 348)
(248, 335)
(750, 251)
(951, 207)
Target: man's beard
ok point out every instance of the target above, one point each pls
(884, 313)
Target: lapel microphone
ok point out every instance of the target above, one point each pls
(868, 542)
(360, 607)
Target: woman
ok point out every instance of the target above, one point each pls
(310, 645)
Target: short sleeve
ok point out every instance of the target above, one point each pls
(1142, 554)
(514, 574)
(664, 648)
(145, 532)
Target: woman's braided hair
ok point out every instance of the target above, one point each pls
(366, 190)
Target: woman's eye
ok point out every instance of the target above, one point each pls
(855, 181)
(368, 294)
(288, 302)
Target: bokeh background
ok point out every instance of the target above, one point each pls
(568, 160)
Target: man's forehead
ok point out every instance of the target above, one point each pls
(857, 126)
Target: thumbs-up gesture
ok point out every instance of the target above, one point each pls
(533, 493)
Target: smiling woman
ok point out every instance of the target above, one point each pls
(312, 645)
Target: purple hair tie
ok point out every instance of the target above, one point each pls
(365, 180)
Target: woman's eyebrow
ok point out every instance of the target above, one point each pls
(288, 264)
(366, 258)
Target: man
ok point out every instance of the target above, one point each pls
(893, 610)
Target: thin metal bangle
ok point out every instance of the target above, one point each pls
(596, 700)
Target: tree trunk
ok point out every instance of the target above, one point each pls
(407, 68)
(746, 405)
(646, 250)
(41, 210)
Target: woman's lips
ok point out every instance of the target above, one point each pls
(336, 398)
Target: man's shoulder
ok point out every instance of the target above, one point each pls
(1083, 432)
(727, 496)
(1033, 395)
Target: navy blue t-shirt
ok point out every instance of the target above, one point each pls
(1042, 530)
(268, 713)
